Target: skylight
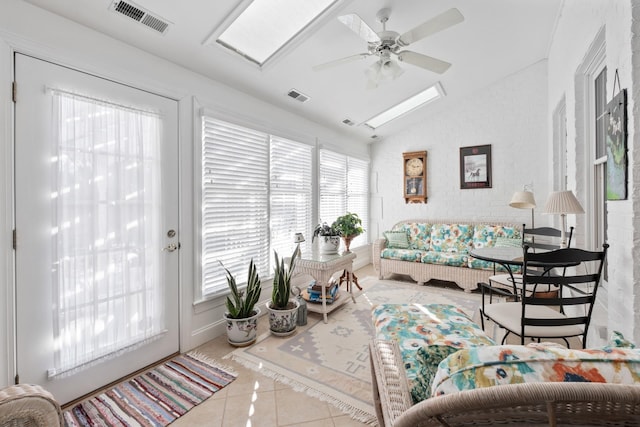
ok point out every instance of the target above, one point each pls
(266, 26)
(416, 101)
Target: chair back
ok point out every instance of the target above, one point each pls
(544, 237)
(577, 287)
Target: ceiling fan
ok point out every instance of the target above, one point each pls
(386, 44)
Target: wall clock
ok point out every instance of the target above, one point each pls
(415, 177)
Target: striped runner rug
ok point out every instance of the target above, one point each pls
(154, 398)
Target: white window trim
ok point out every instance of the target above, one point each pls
(593, 63)
(560, 146)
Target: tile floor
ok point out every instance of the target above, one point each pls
(254, 400)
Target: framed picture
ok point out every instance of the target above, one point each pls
(617, 147)
(475, 167)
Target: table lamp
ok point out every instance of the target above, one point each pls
(523, 200)
(297, 239)
(563, 203)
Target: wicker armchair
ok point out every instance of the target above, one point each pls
(30, 406)
(528, 404)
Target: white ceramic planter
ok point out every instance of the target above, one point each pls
(283, 322)
(242, 332)
(328, 244)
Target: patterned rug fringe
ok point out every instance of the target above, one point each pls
(354, 413)
(212, 362)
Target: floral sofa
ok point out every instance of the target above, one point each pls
(439, 249)
(432, 366)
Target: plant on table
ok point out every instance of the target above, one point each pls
(324, 230)
(329, 238)
(348, 226)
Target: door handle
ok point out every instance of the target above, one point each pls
(171, 247)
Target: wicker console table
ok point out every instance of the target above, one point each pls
(321, 267)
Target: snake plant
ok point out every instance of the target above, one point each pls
(240, 304)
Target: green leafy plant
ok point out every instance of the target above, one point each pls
(282, 280)
(324, 229)
(348, 225)
(240, 304)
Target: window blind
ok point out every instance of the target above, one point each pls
(358, 195)
(235, 201)
(333, 184)
(344, 187)
(291, 194)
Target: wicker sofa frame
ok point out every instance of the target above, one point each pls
(530, 404)
(466, 278)
(29, 406)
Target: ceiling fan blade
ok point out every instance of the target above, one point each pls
(358, 26)
(340, 61)
(424, 61)
(444, 20)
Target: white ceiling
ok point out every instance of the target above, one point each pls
(497, 38)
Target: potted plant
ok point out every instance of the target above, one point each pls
(242, 315)
(328, 237)
(348, 226)
(283, 310)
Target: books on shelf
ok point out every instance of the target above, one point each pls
(314, 292)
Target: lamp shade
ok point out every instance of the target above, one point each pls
(523, 200)
(563, 202)
(298, 238)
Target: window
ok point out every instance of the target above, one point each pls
(105, 210)
(291, 194)
(416, 101)
(265, 27)
(344, 187)
(256, 194)
(600, 163)
(560, 146)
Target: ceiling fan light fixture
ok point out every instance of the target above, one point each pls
(382, 70)
(391, 70)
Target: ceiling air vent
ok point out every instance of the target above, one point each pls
(297, 95)
(141, 15)
(348, 122)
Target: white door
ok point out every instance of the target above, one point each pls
(96, 208)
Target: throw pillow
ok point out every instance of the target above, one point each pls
(428, 358)
(397, 239)
(508, 242)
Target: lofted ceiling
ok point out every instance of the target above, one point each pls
(496, 39)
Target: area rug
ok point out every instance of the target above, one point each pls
(156, 397)
(331, 361)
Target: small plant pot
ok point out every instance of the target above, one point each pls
(283, 323)
(347, 243)
(329, 244)
(242, 332)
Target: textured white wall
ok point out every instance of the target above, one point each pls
(511, 115)
(578, 27)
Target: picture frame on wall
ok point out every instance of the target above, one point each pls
(475, 167)
(617, 163)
